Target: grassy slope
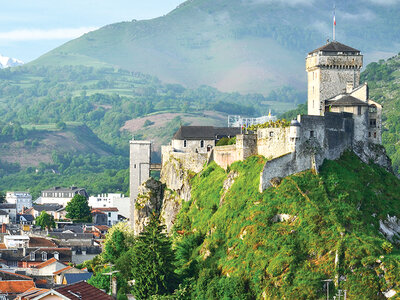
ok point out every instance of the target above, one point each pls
(266, 42)
(77, 139)
(330, 212)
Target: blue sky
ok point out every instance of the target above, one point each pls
(30, 28)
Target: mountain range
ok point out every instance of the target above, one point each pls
(235, 45)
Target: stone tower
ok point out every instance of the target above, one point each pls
(332, 69)
(139, 170)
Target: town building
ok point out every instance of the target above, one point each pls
(11, 210)
(59, 195)
(105, 216)
(111, 200)
(20, 199)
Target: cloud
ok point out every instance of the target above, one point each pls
(41, 34)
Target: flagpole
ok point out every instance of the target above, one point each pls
(334, 23)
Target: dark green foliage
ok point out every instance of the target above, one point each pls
(226, 141)
(44, 220)
(150, 262)
(115, 247)
(78, 209)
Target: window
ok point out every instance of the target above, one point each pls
(372, 123)
(184, 143)
(311, 134)
(44, 256)
(57, 255)
(369, 134)
(375, 135)
(359, 110)
(109, 215)
(373, 109)
(32, 256)
(201, 144)
(134, 166)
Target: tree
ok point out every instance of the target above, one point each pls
(45, 220)
(115, 247)
(78, 209)
(150, 262)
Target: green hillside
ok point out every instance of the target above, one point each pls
(234, 245)
(233, 45)
(232, 242)
(383, 79)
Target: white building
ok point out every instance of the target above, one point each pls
(111, 200)
(4, 217)
(11, 210)
(16, 241)
(59, 195)
(20, 199)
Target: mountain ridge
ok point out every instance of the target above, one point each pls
(266, 41)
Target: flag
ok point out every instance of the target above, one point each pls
(334, 20)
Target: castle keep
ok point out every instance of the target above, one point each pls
(340, 117)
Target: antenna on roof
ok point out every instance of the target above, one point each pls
(334, 22)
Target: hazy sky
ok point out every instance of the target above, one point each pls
(30, 28)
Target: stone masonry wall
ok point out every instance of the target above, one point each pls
(224, 156)
(273, 142)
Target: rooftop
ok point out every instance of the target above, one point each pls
(63, 189)
(32, 293)
(47, 207)
(76, 277)
(62, 270)
(335, 47)
(83, 291)
(15, 286)
(105, 209)
(345, 100)
(40, 242)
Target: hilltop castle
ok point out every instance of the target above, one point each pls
(340, 117)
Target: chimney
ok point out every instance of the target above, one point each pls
(3, 228)
(349, 87)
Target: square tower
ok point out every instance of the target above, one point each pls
(331, 69)
(139, 169)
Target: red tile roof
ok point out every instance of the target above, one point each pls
(3, 246)
(102, 227)
(15, 286)
(40, 242)
(106, 208)
(17, 275)
(83, 291)
(46, 263)
(62, 270)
